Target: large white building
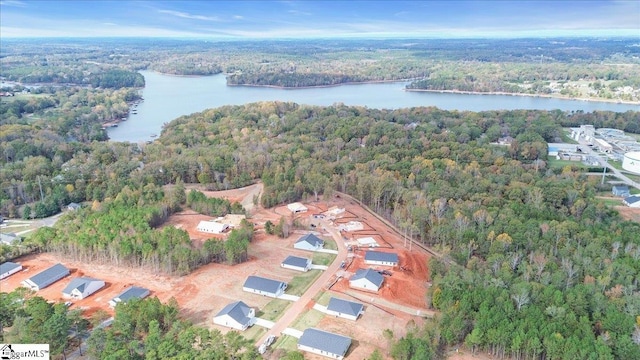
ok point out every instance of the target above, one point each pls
(631, 162)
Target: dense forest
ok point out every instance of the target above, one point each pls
(533, 265)
(570, 67)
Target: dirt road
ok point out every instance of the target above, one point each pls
(299, 306)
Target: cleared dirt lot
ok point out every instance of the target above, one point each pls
(628, 213)
(204, 292)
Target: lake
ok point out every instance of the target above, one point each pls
(168, 97)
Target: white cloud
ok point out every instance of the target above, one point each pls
(189, 16)
(13, 3)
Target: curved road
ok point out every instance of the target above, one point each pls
(299, 306)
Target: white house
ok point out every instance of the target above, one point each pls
(132, 292)
(82, 287)
(366, 279)
(212, 227)
(345, 309)
(632, 201)
(297, 208)
(296, 263)
(9, 268)
(620, 190)
(236, 315)
(309, 242)
(264, 286)
(46, 277)
(381, 258)
(324, 343)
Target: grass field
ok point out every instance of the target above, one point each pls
(323, 258)
(300, 283)
(553, 162)
(330, 244)
(254, 333)
(273, 310)
(323, 298)
(308, 319)
(285, 342)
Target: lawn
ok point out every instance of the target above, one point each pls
(300, 283)
(273, 310)
(553, 162)
(611, 202)
(308, 319)
(323, 298)
(330, 244)
(323, 258)
(286, 342)
(254, 333)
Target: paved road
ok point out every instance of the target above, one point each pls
(299, 306)
(610, 169)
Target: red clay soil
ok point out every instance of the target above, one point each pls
(628, 213)
(188, 220)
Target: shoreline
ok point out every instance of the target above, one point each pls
(323, 86)
(460, 92)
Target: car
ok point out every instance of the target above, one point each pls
(270, 340)
(343, 264)
(68, 303)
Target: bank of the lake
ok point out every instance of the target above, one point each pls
(167, 97)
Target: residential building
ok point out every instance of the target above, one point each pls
(309, 242)
(82, 287)
(263, 286)
(324, 343)
(297, 208)
(366, 279)
(46, 277)
(345, 309)
(632, 201)
(620, 190)
(381, 258)
(212, 227)
(132, 292)
(296, 263)
(9, 268)
(236, 315)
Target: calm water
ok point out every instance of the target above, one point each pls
(168, 97)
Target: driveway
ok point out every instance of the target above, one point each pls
(264, 323)
(300, 306)
(289, 297)
(319, 267)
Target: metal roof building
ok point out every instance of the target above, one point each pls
(343, 308)
(236, 315)
(46, 277)
(381, 258)
(133, 292)
(264, 286)
(324, 343)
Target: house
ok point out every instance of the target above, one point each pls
(236, 315)
(264, 286)
(133, 292)
(82, 287)
(345, 309)
(9, 239)
(296, 263)
(366, 279)
(212, 227)
(620, 190)
(324, 343)
(9, 268)
(297, 208)
(73, 206)
(632, 201)
(46, 277)
(309, 242)
(381, 258)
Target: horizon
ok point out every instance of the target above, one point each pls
(298, 20)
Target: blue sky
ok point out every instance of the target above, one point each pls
(313, 19)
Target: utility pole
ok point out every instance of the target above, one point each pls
(604, 171)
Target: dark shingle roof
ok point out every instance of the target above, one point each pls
(8, 266)
(325, 341)
(344, 306)
(632, 199)
(50, 275)
(238, 311)
(311, 239)
(78, 283)
(381, 256)
(370, 275)
(133, 292)
(263, 284)
(295, 261)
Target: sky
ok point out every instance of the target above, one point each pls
(319, 19)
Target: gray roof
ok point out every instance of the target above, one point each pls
(311, 239)
(133, 292)
(620, 187)
(238, 311)
(8, 266)
(78, 283)
(263, 284)
(9, 238)
(74, 205)
(295, 261)
(370, 275)
(345, 307)
(381, 256)
(325, 341)
(632, 199)
(50, 275)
